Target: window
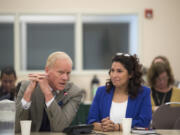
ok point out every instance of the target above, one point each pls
(44, 35)
(103, 36)
(6, 41)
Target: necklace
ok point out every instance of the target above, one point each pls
(158, 99)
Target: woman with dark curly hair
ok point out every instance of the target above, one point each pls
(161, 81)
(122, 97)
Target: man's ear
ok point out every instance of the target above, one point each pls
(46, 69)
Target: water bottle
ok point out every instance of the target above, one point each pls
(7, 117)
(94, 85)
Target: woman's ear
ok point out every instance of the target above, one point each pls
(131, 75)
(109, 71)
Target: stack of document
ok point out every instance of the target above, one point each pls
(143, 131)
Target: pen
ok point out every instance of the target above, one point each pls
(141, 128)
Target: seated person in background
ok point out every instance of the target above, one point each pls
(8, 79)
(48, 99)
(161, 80)
(164, 60)
(122, 97)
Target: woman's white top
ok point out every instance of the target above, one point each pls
(118, 111)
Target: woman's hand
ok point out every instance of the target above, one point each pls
(107, 125)
(155, 108)
(97, 126)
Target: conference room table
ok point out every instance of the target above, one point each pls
(159, 132)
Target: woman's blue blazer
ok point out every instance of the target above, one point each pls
(139, 108)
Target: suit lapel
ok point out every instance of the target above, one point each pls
(63, 96)
(59, 97)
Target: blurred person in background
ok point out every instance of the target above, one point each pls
(123, 96)
(161, 80)
(8, 84)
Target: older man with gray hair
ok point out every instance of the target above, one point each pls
(48, 99)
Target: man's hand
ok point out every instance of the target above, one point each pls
(41, 79)
(30, 88)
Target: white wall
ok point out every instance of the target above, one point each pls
(158, 36)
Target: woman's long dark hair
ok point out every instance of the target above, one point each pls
(131, 63)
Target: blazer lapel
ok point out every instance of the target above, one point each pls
(108, 102)
(130, 107)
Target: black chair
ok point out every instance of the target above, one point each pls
(167, 116)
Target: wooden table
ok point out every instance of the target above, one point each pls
(161, 132)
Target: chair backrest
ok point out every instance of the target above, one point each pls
(177, 124)
(82, 114)
(166, 116)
